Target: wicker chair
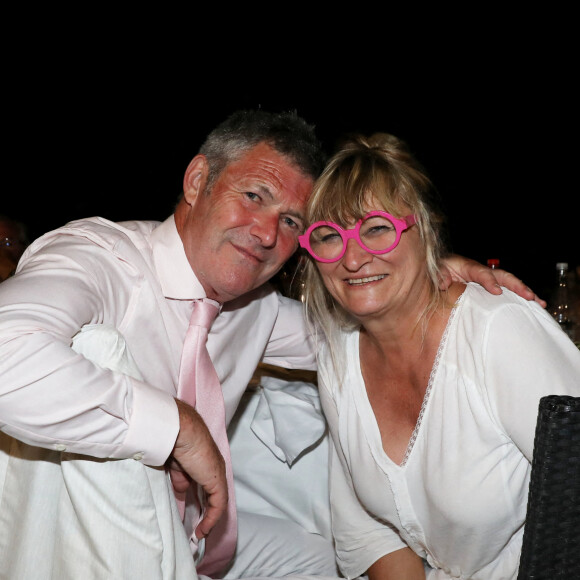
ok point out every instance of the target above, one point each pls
(551, 542)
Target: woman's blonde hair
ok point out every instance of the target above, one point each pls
(378, 169)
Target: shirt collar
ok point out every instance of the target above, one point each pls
(175, 274)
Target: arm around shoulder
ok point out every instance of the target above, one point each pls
(290, 345)
(460, 269)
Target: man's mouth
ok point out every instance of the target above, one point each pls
(359, 281)
(254, 256)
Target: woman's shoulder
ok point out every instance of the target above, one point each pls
(477, 295)
(480, 306)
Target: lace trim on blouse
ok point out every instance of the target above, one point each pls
(431, 381)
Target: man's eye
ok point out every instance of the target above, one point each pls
(290, 222)
(252, 196)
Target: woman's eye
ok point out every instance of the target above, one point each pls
(330, 238)
(379, 230)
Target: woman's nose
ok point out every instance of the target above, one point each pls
(355, 256)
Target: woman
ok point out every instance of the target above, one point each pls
(431, 395)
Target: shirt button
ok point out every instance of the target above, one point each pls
(138, 456)
(60, 447)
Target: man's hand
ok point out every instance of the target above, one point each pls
(460, 269)
(197, 458)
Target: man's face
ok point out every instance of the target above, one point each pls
(237, 237)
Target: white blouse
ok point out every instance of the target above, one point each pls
(459, 499)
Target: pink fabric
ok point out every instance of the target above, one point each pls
(199, 386)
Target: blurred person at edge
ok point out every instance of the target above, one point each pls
(13, 242)
(83, 449)
(431, 394)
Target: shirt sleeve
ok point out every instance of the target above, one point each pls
(527, 356)
(360, 538)
(53, 397)
(290, 345)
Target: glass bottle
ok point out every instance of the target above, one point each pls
(560, 304)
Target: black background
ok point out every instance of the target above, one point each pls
(105, 123)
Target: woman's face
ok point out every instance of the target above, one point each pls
(369, 285)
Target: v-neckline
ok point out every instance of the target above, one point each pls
(424, 405)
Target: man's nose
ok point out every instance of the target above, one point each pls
(265, 228)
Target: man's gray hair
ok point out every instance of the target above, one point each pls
(286, 132)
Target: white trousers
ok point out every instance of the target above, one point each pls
(66, 517)
(272, 547)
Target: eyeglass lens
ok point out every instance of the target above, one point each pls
(377, 233)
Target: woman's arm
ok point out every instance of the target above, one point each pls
(460, 269)
(400, 565)
(527, 357)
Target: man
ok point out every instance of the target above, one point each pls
(83, 488)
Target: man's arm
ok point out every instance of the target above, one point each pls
(290, 345)
(460, 269)
(198, 457)
(52, 396)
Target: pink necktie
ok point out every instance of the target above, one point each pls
(200, 387)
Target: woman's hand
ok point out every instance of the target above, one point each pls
(460, 269)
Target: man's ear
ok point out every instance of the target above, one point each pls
(195, 178)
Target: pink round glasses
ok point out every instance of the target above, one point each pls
(378, 232)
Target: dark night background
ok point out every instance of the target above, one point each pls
(93, 129)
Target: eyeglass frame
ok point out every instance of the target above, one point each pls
(401, 224)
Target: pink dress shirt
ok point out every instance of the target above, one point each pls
(135, 277)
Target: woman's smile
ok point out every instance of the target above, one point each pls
(366, 280)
